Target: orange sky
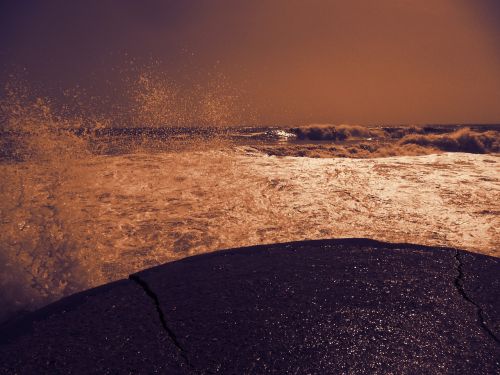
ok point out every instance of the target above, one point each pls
(391, 61)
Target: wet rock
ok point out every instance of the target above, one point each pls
(332, 306)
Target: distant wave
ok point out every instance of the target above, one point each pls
(363, 142)
(327, 132)
(462, 140)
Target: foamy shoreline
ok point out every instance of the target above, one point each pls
(68, 227)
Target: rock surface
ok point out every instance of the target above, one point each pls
(332, 306)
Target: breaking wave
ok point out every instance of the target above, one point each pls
(462, 140)
(353, 141)
(326, 132)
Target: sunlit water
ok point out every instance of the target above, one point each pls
(73, 225)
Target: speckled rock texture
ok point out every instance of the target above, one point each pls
(349, 306)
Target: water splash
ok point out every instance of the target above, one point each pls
(50, 245)
(41, 156)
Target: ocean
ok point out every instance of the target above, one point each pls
(80, 208)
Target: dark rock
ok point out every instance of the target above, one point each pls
(339, 306)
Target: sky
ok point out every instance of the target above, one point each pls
(292, 61)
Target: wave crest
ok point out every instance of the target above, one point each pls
(328, 132)
(462, 140)
(363, 142)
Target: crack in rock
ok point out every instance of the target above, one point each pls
(163, 321)
(459, 284)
